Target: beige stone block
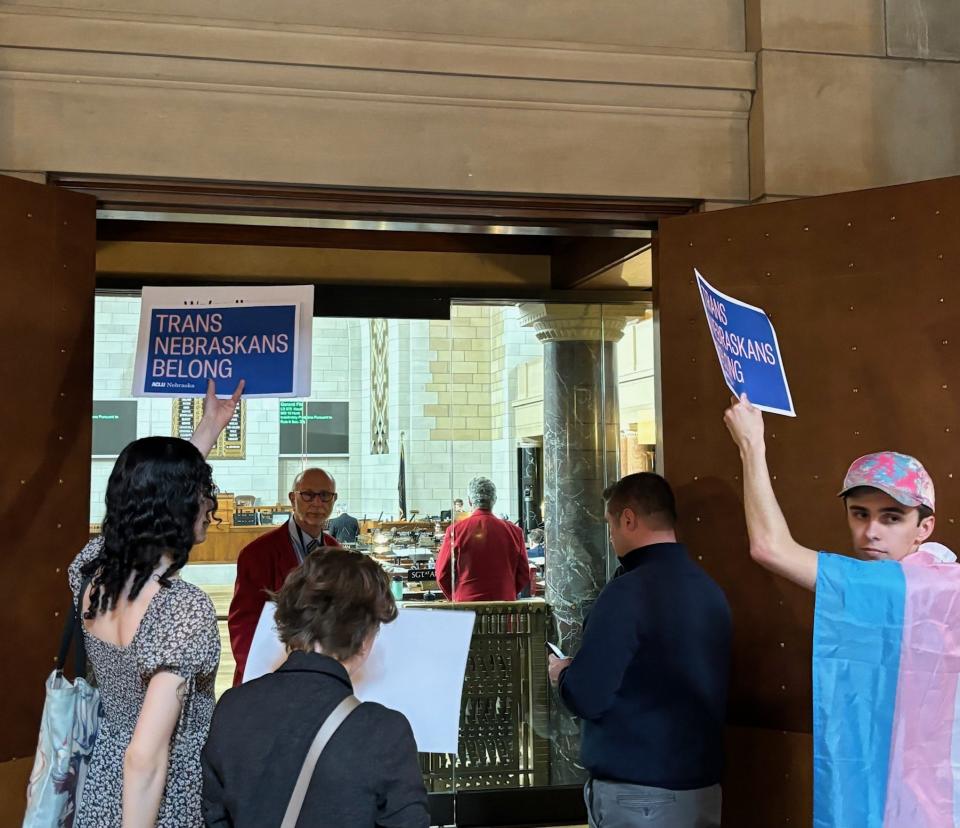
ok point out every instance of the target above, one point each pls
(846, 123)
(478, 422)
(435, 386)
(152, 86)
(459, 398)
(465, 312)
(461, 367)
(441, 434)
(923, 29)
(459, 388)
(464, 411)
(457, 422)
(466, 379)
(484, 410)
(853, 27)
(440, 345)
(443, 422)
(441, 378)
(463, 331)
(436, 411)
(477, 398)
(466, 434)
(687, 24)
(439, 367)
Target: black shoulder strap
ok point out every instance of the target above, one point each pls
(73, 628)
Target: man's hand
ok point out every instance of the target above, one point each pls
(745, 424)
(556, 666)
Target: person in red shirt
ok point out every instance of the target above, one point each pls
(487, 555)
(264, 564)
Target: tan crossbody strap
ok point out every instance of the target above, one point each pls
(324, 734)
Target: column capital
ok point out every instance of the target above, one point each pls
(576, 323)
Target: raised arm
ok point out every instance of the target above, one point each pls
(216, 415)
(771, 544)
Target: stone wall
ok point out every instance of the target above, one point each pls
(852, 94)
(615, 97)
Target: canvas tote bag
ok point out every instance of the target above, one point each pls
(68, 730)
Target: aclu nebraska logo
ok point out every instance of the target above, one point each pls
(747, 349)
(188, 346)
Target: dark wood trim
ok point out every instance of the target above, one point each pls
(120, 230)
(410, 302)
(243, 198)
(521, 807)
(577, 260)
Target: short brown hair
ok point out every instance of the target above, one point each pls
(923, 512)
(647, 494)
(336, 599)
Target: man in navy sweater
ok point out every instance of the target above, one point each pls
(650, 679)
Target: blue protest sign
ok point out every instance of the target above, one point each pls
(186, 346)
(747, 349)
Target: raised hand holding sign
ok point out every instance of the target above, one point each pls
(747, 348)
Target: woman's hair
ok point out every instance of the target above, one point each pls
(153, 501)
(336, 599)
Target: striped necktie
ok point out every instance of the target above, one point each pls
(312, 544)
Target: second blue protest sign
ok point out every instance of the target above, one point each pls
(747, 348)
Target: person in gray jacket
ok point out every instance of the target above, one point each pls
(328, 614)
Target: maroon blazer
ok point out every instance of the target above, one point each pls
(491, 559)
(263, 565)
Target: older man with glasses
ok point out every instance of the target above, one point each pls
(264, 564)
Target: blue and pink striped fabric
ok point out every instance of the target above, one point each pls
(886, 712)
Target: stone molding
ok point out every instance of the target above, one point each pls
(572, 323)
(91, 91)
(267, 50)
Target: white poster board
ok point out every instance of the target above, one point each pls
(426, 688)
(260, 334)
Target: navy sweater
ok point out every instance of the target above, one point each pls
(650, 679)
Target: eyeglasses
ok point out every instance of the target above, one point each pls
(326, 497)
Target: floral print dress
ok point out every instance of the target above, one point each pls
(178, 634)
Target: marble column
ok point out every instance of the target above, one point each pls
(581, 437)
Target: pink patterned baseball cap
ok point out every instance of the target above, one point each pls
(899, 475)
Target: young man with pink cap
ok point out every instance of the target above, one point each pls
(889, 499)
(886, 654)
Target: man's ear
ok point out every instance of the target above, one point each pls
(925, 529)
(628, 519)
(293, 498)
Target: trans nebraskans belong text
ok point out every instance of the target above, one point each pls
(199, 337)
(731, 347)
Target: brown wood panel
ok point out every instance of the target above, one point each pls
(769, 778)
(46, 336)
(137, 193)
(862, 288)
(13, 790)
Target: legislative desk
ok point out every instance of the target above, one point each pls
(224, 542)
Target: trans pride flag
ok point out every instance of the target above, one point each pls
(886, 710)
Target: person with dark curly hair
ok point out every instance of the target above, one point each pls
(329, 611)
(151, 637)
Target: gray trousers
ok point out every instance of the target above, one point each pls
(622, 805)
